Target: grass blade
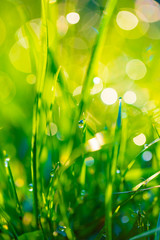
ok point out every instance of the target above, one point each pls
(146, 234)
(96, 52)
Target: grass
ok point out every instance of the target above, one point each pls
(87, 179)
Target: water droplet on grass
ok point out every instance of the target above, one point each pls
(145, 146)
(83, 192)
(6, 163)
(61, 230)
(7, 159)
(30, 186)
(81, 124)
(52, 173)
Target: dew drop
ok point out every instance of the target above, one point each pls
(52, 172)
(61, 230)
(81, 124)
(30, 187)
(7, 159)
(145, 146)
(83, 192)
(6, 163)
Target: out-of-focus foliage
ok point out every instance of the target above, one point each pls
(76, 160)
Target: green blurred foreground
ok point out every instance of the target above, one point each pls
(79, 119)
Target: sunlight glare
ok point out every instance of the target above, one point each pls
(136, 69)
(126, 20)
(140, 139)
(130, 97)
(73, 18)
(109, 96)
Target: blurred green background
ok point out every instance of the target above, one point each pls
(128, 67)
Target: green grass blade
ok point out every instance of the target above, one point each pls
(8, 221)
(146, 234)
(157, 234)
(96, 52)
(111, 170)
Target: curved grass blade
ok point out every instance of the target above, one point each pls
(8, 220)
(13, 188)
(104, 25)
(35, 165)
(111, 170)
(146, 234)
(157, 234)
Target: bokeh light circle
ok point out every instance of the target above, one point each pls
(73, 18)
(130, 97)
(140, 139)
(109, 96)
(136, 69)
(147, 156)
(126, 20)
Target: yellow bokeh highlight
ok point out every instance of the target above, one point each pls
(136, 69)
(20, 58)
(140, 139)
(126, 20)
(109, 96)
(73, 17)
(130, 97)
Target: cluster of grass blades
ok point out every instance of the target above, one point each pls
(85, 183)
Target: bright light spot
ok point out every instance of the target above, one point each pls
(100, 138)
(62, 26)
(93, 145)
(36, 26)
(6, 163)
(126, 20)
(27, 218)
(31, 79)
(125, 219)
(130, 97)
(140, 139)
(51, 129)
(24, 42)
(73, 17)
(77, 91)
(20, 58)
(136, 69)
(89, 161)
(98, 86)
(30, 187)
(5, 226)
(146, 195)
(19, 182)
(52, 1)
(147, 156)
(148, 11)
(109, 96)
(55, 234)
(96, 80)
